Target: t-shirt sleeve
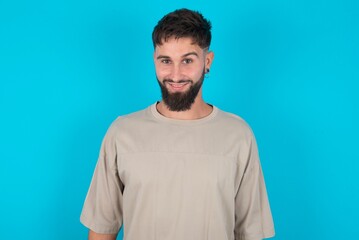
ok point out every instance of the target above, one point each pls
(102, 210)
(253, 218)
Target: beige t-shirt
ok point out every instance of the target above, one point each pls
(167, 179)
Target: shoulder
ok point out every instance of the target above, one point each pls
(135, 117)
(234, 123)
(129, 122)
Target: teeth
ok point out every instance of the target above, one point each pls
(177, 84)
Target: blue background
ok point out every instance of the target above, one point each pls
(69, 68)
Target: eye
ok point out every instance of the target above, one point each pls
(165, 61)
(187, 61)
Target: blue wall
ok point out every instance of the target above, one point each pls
(68, 68)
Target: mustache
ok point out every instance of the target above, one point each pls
(179, 81)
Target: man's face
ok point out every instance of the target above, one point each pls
(180, 67)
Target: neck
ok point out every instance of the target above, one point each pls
(199, 109)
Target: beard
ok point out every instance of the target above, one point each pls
(180, 101)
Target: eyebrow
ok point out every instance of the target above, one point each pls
(185, 55)
(190, 53)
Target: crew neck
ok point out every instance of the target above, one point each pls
(160, 117)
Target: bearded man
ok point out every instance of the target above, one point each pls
(181, 169)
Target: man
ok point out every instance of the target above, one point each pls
(181, 169)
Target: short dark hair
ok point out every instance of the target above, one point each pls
(183, 23)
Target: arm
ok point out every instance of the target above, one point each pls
(102, 210)
(253, 215)
(97, 236)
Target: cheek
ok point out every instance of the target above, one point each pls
(195, 73)
(161, 72)
(192, 71)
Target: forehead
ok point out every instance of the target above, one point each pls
(177, 47)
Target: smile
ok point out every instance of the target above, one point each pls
(177, 86)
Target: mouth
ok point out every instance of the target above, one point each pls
(177, 86)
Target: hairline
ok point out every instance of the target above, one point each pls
(165, 39)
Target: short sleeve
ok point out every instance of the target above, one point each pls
(102, 210)
(253, 218)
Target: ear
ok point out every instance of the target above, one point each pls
(209, 59)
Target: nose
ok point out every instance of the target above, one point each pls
(176, 73)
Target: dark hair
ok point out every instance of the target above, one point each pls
(183, 23)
